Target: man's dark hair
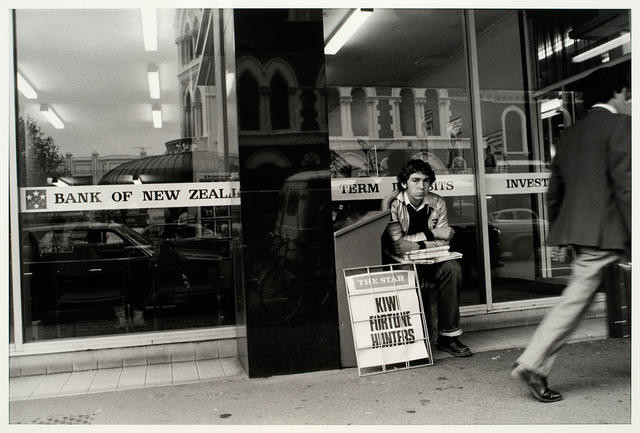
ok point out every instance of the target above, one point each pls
(415, 166)
(601, 84)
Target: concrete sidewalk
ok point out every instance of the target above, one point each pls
(116, 375)
(593, 375)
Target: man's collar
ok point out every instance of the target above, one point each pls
(405, 199)
(606, 107)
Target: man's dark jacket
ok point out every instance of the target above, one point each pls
(589, 197)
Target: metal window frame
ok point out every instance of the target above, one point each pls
(14, 232)
(125, 340)
(21, 348)
(471, 53)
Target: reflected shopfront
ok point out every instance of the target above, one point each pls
(200, 186)
(129, 223)
(491, 145)
(416, 106)
(517, 166)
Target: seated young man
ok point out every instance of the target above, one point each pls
(419, 220)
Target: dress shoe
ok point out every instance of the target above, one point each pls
(453, 346)
(536, 383)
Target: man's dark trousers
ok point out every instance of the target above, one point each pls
(440, 287)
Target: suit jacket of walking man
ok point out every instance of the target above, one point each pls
(589, 202)
(419, 220)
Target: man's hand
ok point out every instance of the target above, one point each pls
(401, 246)
(444, 233)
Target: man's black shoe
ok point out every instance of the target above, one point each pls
(453, 346)
(536, 383)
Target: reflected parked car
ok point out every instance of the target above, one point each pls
(462, 218)
(78, 264)
(176, 231)
(517, 227)
(465, 241)
(193, 240)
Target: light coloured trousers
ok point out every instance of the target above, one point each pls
(564, 318)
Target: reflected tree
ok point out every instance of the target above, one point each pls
(40, 157)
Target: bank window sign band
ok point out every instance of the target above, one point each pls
(112, 197)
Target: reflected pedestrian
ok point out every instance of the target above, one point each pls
(589, 201)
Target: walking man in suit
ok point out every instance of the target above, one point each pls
(589, 202)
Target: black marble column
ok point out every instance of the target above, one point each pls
(288, 258)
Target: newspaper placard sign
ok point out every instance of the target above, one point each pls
(387, 319)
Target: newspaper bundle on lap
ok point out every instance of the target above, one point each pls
(427, 253)
(387, 319)
(432, 255)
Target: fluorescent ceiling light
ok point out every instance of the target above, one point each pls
(550, 107)
(603, 48)
(51, 116)
(346, 30)
(567, 40)
(153, 78)
(149, 19)
(25, 88)
(550, 104)
(156, 115)
(230, 80)
(548, 114)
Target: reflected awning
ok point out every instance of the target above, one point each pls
(175, 167)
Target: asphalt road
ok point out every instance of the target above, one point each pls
(594, 377)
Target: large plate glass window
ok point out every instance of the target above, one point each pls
(530, 66)
(516, 164)
(129, 213)
(398, 89)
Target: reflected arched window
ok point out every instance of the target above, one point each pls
(197, 114)
(187, 125)
(186, 45)
(279, 102)
(248, 102)
(189, 48)
(333, 112)
(359, 118)
(514, 130)
(194, 36)
(407, 113)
